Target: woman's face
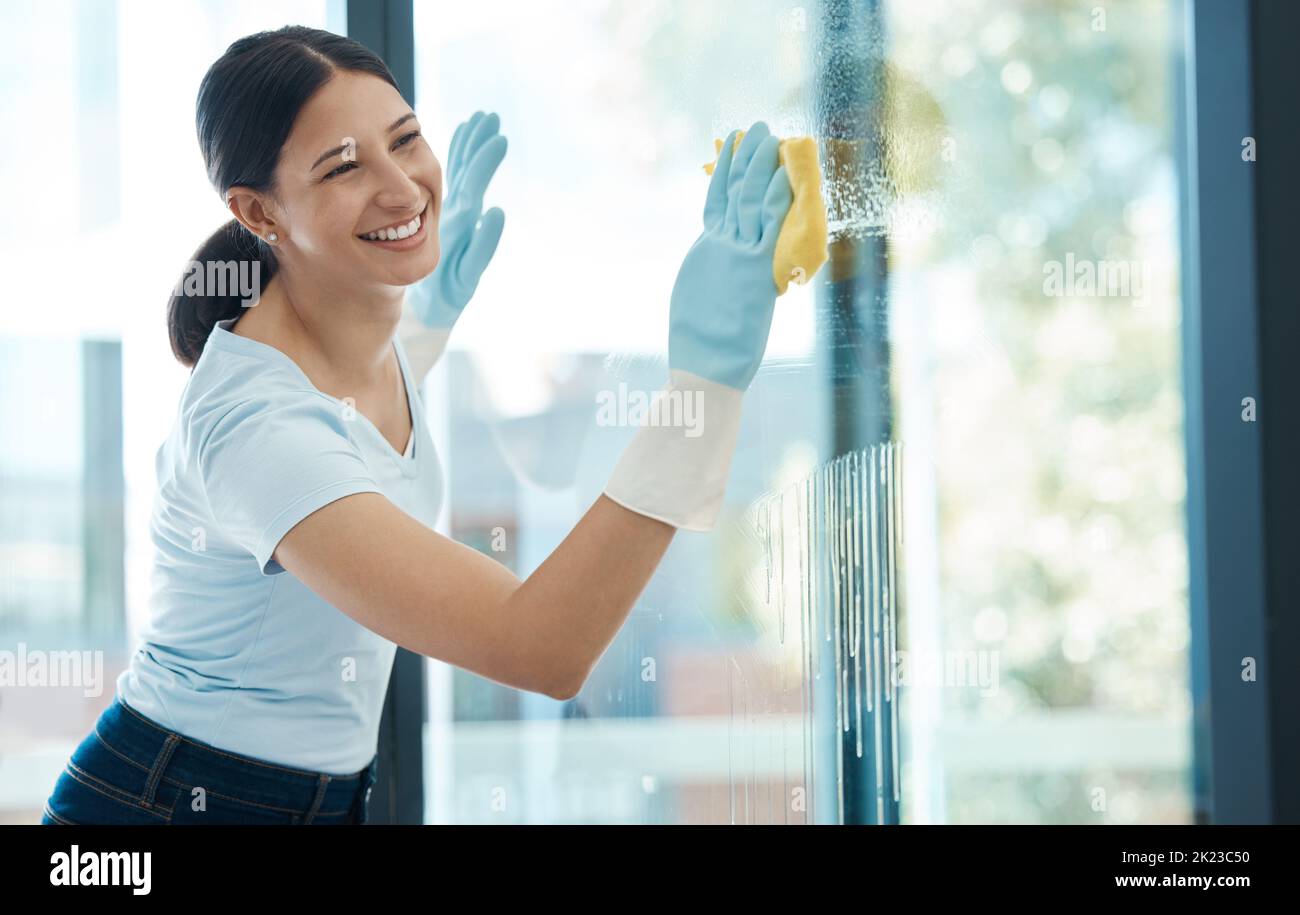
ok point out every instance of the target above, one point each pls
(356, 162)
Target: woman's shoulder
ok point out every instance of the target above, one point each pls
(229, 387)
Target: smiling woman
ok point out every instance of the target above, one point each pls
(300, 447)
(257, 173)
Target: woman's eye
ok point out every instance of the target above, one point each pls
(348, 166)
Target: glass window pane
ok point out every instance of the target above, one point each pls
(962, 459)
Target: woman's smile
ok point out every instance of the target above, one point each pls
(402, 236)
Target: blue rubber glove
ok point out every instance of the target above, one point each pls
(724, 297)
(467, 237)
(719, 319)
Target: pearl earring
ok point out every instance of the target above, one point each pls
(273, 238)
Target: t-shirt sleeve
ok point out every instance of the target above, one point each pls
(267, 463)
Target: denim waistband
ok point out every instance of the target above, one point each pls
(174, 756)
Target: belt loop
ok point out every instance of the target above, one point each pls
(320, 797)
(372, 776)
(361, 802)
(159, 764)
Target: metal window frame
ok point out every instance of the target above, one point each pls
(853, 343)
(1232, 730)
(387, 28)
(1276, 73)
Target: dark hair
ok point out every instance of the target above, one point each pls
(246, 107)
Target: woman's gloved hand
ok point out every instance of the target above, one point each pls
(719, 318)
(722, 302)
(467, 237)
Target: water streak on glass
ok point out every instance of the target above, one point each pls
(844, 524)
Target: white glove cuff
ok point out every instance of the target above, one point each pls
(675, 469)
(423, 345)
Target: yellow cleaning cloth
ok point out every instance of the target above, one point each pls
(801, 246)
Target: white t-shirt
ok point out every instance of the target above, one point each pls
(239, 653)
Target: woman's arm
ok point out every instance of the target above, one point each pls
(415, 587)
(434, 596)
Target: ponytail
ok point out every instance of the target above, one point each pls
(226, 275)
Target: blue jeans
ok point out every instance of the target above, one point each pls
(131, 770)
